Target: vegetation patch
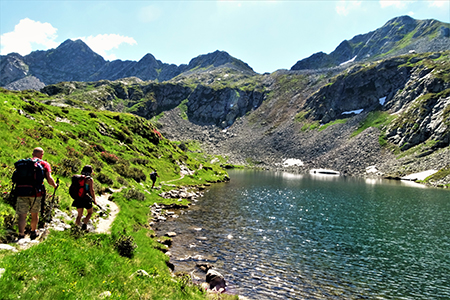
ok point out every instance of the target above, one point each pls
(337, 121)
(78, 265)
(183, 108)
(441, 174)
(310, 125)
(376, 119)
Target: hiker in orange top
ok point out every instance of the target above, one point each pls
(29, 195)
(87, 200)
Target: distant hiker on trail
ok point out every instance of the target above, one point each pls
(30, 190)
(153, 176)
(82, 191)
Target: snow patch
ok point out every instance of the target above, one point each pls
(419, 176)
(371, 169)
(292, 162)
(358, 111)
(382, 100)
(349, 61)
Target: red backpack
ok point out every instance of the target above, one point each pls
(77, 189)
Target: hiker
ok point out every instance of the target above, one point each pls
(88, 196)
(153, 176)
(29, 196)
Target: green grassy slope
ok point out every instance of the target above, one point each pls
(123, 150)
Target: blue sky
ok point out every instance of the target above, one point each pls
(268, 35)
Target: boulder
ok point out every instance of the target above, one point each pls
(216, 281)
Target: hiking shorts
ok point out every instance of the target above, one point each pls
(86, 202)
(28, 204)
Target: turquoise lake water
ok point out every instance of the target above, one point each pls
(284, 236)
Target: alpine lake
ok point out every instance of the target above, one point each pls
(277, 235)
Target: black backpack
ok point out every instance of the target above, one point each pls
(28, 177)
(77, 189)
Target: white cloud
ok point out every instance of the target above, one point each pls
(344, 7)
(394, 3)
(102, 43)
(26, 34)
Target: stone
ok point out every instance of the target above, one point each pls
(7, 248)
(216, 281)
(141, 273)
(105, 294)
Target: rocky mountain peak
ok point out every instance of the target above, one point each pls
(149, 59)
(396, 37)
(216, 59)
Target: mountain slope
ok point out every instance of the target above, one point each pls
(392, 114)
(398, 36)
(75, 61)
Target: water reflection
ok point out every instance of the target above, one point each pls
(287, 236)
(408, 183)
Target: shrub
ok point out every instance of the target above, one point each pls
(72, 152)
(98, 148)
(109, 158)
(134, 194)
(127, 172)
(140, 161)
(122, 181)
(96, 163)
(183, 146)
(67, 167)
(102, 178)
(125, 245)
(76, 232)
(89, 151)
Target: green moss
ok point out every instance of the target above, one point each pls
(338, 121)
(310, 125)
(375, 119)
(442, 173)
(183, 108)
(301, 116)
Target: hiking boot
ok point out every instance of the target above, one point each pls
(33, 235)
(84, 227)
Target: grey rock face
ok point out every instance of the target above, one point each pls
(12, 68)
(389, 40)
(75, 61)
(358, 89)
(207, 106)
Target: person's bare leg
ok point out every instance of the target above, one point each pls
(88, 216)
(80, 214)
(34, 221)
(22, 222)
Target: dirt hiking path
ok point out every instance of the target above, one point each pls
(104, 224)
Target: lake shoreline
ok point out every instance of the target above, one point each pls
(226, 240)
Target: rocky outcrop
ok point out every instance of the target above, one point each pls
(12, 68)
(359, 88)
(207, 106)
(412, 87)
(398, 36)
(25, 83)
